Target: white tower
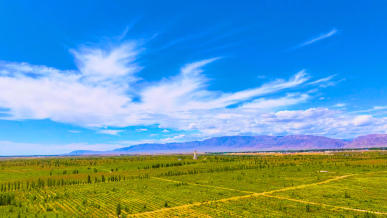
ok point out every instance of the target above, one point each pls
(195, 156)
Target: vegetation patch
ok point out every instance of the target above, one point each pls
(313, 185)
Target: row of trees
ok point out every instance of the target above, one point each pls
(50, 182)
(171, 164)
(7, 199)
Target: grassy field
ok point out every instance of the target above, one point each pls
(340, 184)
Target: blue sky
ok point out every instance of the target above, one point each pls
(101, 75)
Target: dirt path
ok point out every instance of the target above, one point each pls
(203, 185)
(324, 205)
(311, 184)
(250, 195)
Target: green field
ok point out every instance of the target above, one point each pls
(340, 184)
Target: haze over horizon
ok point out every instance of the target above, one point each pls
(102, 75)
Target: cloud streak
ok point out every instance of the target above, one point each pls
(319, 38)
(110, 131)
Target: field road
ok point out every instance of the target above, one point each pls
(253, 194)
(324, 205)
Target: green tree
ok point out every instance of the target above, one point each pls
(307, 208)
(118, 209)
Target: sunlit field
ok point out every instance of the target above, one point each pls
(350, 184)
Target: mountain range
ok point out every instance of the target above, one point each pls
(248, 143)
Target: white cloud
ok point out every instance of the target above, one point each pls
(325, 82)
(110, 131)
(375, 109)
(340, 105)
(74, 131)
(114, 65)
(173, 138)
(318, 38)
(141, 130)
(100, 93)
(290, 99)
(380, 108)
(362, 120)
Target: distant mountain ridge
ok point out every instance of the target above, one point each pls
(249, 143)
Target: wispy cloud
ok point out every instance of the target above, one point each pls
(318, 38)
(340, 105)
(326, 81)
(128, 28)
(97, 96)
(104, 91)
(380, 107)
(197, 36)
(373, 109)
(322, 80)
(110, 131)
(74, 131)
(111, 64)
(183, 39)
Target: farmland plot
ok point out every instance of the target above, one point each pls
(343, 184)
